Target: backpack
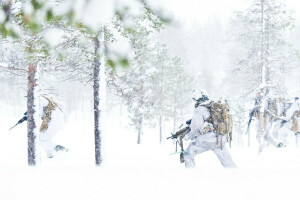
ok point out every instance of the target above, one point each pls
(295, 125)
(221, 119)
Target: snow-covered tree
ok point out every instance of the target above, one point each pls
(134, 84)
(171, 88)
(263, 54)
(22, 19)
(181, 85)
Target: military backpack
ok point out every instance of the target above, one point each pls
(221, 119)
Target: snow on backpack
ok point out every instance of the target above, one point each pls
(221, 119)
(47, 111)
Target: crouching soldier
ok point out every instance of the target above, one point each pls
(52, 121)
(210, 130)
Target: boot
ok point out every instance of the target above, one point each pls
(61, 148)
(181, 158)
(280, 145)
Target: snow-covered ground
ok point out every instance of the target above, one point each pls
(132, 171)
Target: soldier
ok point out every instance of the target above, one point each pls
(265, 111)
(205, 134)
(52, 121)
(290, 126)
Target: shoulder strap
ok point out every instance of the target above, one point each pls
(51, 102)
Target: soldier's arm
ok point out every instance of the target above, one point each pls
(200, 114)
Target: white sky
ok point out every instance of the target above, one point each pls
(186, 39)
(198, 11)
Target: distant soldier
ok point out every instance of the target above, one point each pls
(211, 129)
(266, 111)
(290, 125)
(52, 121)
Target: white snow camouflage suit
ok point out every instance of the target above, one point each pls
(55, 124)
(288, 132)
(265, 118)
(205, 142)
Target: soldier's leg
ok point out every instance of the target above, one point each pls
(260, 138)
(47, 144)
(275, 130)
(261, 132)
(49, 147)
(190, 154)
(269, 138)
(224, 157)
(287, 136)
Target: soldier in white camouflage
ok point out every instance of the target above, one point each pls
(266, 112)
(204, 134)
(52, 122)
(289, 126)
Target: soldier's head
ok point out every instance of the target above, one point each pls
(199, 96)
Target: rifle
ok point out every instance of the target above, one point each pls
(180, 134)
(20, 121)
(251, 114)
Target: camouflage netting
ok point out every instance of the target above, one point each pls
(221, 119)
(295, 125)
(47, 111)
(272, 114)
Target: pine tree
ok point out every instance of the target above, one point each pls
(181, 86)
(265, 54)
(134, 84)
(262, 54)
(170, 89)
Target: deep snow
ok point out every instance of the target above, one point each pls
(132, 171)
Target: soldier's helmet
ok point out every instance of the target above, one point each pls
(199, 96)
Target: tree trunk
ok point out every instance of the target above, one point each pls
(140, 130)
(160, 128)
(263, 67)
(97, 111)
(32, 115)
(249, 139)
(174, 120)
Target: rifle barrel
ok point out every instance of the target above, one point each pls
(13, 127)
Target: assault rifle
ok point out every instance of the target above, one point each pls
(179, 136)
(20, 121)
